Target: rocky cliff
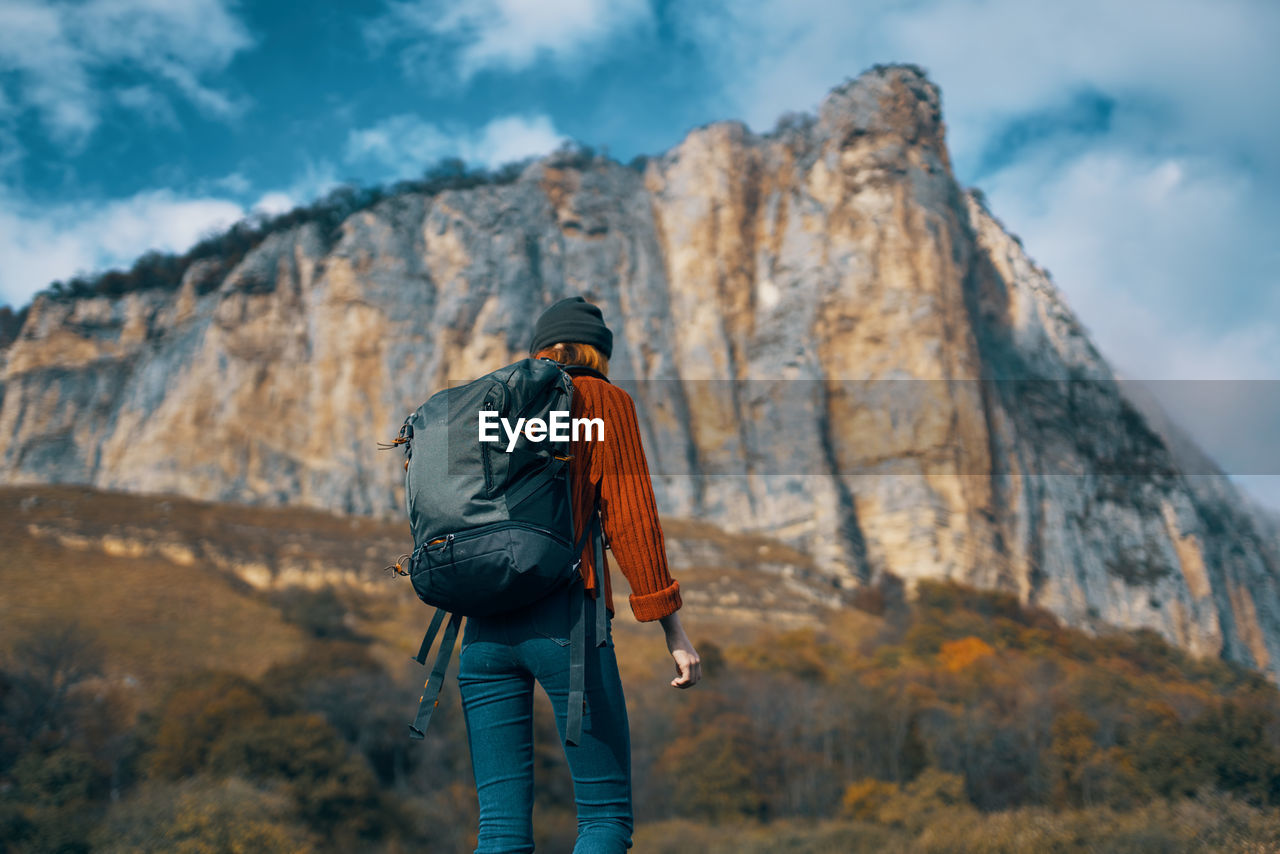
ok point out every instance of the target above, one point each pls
(831, 342)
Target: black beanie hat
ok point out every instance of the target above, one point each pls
(572, 320)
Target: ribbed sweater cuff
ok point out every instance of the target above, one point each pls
(656, 605)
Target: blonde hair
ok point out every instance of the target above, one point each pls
(573, 353)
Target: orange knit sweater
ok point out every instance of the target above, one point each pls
(615, 471)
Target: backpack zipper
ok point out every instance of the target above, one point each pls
(450, 539)
(486, 465)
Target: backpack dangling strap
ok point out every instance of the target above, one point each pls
(602, 614)
(431, 691)
(577, 666)
(577, 634)
(430, 637)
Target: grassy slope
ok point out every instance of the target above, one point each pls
(157, 618)
(154, 619)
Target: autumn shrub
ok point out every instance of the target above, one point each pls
(204, 816)
(54, 800)
(321, 612)
(342, 682)
(334, 789)
(863, 799)
(712, 773)
(198, 714)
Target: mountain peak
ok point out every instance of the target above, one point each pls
(885, 99)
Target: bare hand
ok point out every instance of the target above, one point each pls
(688, 664)
(688, 667)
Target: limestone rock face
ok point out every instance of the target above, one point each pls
(829, 341)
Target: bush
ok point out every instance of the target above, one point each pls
(203, 816)
(321, 612)
(343, 683)
(334, 789)
(714, 770)
(196, 717)
(793, 122)
(51, 804)
(50, 666)
(865, 798)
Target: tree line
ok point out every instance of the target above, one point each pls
(164, 270)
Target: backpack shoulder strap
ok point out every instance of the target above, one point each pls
(602, 613)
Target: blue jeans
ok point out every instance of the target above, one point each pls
(499, 661)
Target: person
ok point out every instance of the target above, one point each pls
(502, 656)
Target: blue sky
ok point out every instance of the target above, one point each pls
(1131, 145)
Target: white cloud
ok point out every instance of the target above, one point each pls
(41, 244)
(1171, 265)
(1203, 65)
(405, 144)
(274, 203)
(148, 103)
(512, 138)
(316, 178)
(1194, 64)
(50, 68)
(55, 58)
(11, 150)
(1170, 261)
(234, 182)
(510, 34)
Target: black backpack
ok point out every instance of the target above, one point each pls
(492, 525)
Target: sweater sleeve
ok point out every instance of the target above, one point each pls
(630, 514)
